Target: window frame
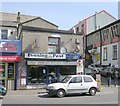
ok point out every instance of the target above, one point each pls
(115, 50)
(105, 54)
(54, 45)
(5, 32)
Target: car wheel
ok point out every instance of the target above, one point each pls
(60, 93)
(92, 91)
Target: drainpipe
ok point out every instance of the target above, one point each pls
(100, 47)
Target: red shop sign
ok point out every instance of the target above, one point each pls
(10, 58)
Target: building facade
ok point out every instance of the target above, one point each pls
(103, 44)
(94, 22)
(46, 50)
(119, 10)
(50, 53)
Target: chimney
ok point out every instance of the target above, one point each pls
(18, 17)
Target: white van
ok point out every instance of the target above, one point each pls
(73, 84)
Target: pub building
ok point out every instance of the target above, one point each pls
(10, 56)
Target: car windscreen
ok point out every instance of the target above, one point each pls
(66, 79)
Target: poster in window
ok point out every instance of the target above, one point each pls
(11, 70)
(2, 70)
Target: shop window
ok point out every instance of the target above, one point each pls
(105, 52)
(53, 45)
(2, 70)
(4, 34)
(115, 52)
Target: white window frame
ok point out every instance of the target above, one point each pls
(115, 49)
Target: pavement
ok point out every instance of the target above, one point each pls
(104, 88)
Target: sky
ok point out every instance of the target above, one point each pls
(63, 14)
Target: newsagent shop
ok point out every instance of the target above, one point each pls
(48, 68)
(10, 56)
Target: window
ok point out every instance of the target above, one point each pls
(53, 45)
(4, 34)
(77, 29)
(87, 79)
(114, 52)
(114, 31)
(105, 54)
(76, 80)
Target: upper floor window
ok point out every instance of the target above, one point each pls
(114, 31)
(105, 53)
(114, 52)
(4, 34)
(53, 45)
(77, 29)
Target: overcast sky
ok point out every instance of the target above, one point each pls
(63, 14)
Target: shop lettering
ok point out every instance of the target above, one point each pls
(58, 55)
(37, 55)
(8, 49)
(46, 56)
(9, 45)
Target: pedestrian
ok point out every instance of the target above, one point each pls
(115, 76)
(109, 75)
(94, 74)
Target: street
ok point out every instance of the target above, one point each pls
(108, 95)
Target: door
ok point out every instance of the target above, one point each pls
(75, 85)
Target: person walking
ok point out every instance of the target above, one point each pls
(109, 75)
(115, 76)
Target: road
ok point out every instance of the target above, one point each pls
(108, 95)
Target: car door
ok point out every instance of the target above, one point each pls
(87, 83)
(75, 85)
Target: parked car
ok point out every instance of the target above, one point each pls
(73, 84)
(90, 71)
(108, 69)
(96, 67)
(3, 90)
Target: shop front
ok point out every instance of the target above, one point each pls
(50, 68)
(10, 56)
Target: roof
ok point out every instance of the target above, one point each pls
(23, 18)
(36, 29)
(38, 18)
(8, 24)
(13, 17)
(94, 15)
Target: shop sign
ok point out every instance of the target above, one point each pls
(51, 63)
(10, 58)
(23, 72)
(10, 46)
(45, 56)
(72, 56)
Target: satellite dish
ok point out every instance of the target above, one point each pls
(63, 50)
